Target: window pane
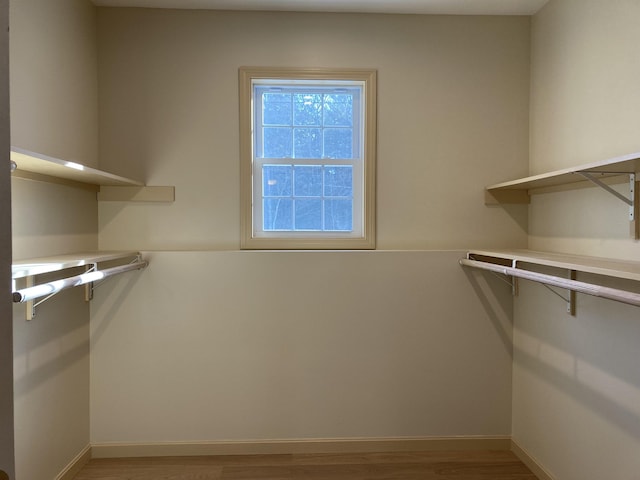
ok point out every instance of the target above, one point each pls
(307, 109)
(277, 143)
(308, 215)
(308, 142)
(276, 180)
(276, 109)
(338, 215)
(338, 181)
(277, 214)
(308, 181)
(338, 110)
(338, 143)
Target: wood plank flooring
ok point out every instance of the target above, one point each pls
(468, 465)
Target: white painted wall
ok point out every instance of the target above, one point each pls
(210, 343)
(230, 346)
(184, 351)
(54, 92)
(53, 111)
(452, 117)
(6, 327)
(576, 385)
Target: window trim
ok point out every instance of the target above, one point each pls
(324, 240)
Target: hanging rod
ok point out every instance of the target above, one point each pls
(51, 288)
(623, 296)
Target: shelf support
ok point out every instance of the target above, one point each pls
(636, 210)
(88, 287)
(571, 304)
(30, 304)
(632, 185)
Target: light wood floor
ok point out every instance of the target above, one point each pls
(480, 465)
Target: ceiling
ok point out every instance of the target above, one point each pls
(436, 7)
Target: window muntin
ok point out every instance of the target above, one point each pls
(307, 122)
(314, 198)
(316, 125)
(309, 160)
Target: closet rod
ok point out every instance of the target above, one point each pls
(623, 296)
(37, 291)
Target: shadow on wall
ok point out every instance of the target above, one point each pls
(591, 357)
(54, 341)
(501, 315)
(518, 213)
(123, 288)
(58, 336)
(615, 407)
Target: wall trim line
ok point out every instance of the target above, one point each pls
(291, 446)
(74, 467)
(532, 464)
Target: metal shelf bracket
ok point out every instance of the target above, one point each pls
(571, 299)
(632, 186)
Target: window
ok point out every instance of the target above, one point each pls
(307, 158)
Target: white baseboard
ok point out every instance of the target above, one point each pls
(335, 445)
(533, 465)
(76, 464)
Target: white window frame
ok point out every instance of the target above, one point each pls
(252, 235)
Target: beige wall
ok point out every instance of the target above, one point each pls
(54, 112)
(584, 99)
(54, 93)
(576, 383)
(231, 346)
(224, 345)
(583, 50)
(215, 344)
(6, 327)
(452, 110)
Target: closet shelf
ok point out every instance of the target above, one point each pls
(25, 271)
(514, 263)
(38, 266)
(54, 167)
(616, 170)
(111, 187)
(602, 174)
(597, 265)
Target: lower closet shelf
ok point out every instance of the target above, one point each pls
(29, 269)
(514, 263)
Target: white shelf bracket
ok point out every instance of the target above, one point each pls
(571, 299)
(513, 283)
(88, 287)
(30, 304)
(571, 304)
(632, 185)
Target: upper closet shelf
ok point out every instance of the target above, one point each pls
(54, 167)
(518, 191)
(111, 187)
